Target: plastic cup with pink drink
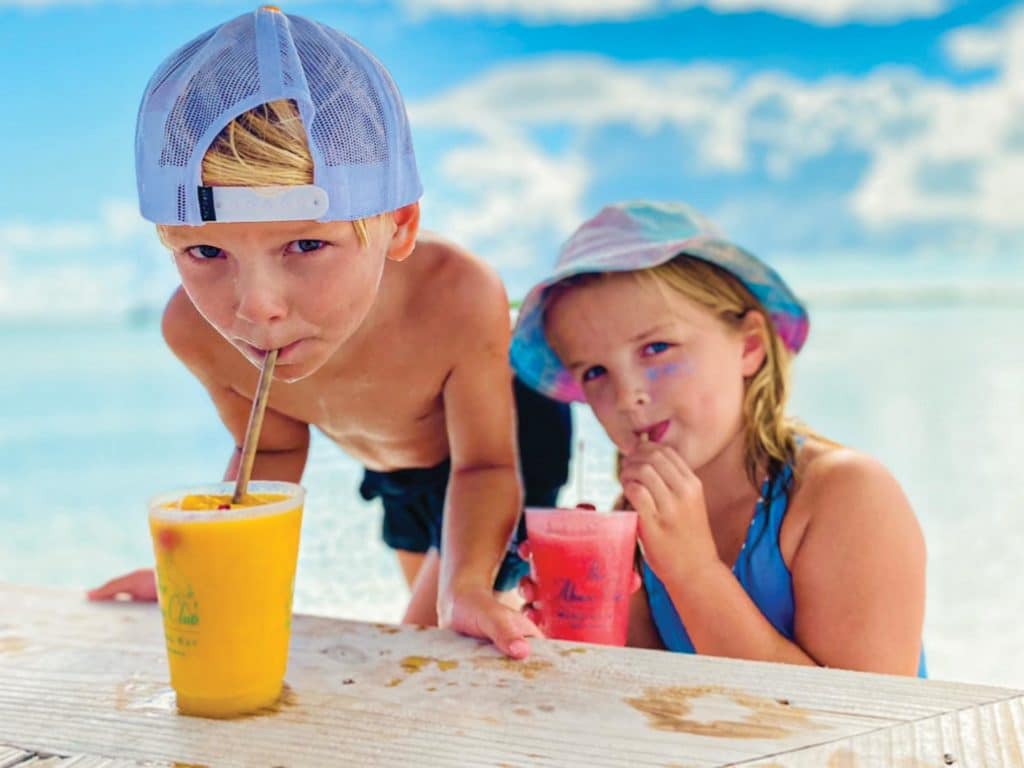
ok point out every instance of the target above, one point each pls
(582, 564)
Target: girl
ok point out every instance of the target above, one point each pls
(760, 539)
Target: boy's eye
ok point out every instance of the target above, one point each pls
(305, 246)
(593, 372)
(205, 251)
(655, 347)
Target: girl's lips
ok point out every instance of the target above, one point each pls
(655, 433)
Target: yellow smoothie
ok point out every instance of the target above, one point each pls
(225, 577)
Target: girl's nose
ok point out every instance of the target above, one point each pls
(631, 394)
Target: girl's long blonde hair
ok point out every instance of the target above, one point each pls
(770, 439)
(264, 147)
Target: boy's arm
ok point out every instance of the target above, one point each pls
(219, 367)
(284, 442)
(484, 494)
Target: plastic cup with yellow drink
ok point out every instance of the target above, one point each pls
(225, 577)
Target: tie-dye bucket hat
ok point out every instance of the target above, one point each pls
(637, 235)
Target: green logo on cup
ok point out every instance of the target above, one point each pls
(184, 609)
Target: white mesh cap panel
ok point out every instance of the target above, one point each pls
(349, 125)
(227, 78)
(354, 116)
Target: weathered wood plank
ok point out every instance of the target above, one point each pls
(983, 735)
(76, 678)
(17, 758)
(9, 756)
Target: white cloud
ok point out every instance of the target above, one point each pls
(519, 194)
(995, 45)
(934, 155)
(822, 12)
(833, 12)
(103, 266)
(538, 11)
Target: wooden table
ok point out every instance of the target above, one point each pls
(85, 686)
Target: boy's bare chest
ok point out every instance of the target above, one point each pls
(387, 412)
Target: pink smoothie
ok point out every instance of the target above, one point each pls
(583, 566)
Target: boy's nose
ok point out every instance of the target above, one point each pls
(260, 296)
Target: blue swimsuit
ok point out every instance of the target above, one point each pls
(759, 568)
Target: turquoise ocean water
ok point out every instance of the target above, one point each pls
(96, 416)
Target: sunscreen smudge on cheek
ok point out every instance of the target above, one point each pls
(669, 370)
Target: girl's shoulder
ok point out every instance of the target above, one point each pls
(842, 491)
(826, 470)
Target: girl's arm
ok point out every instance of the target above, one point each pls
(858, 571)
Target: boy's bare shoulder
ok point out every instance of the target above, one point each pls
(446, 276)
(444, 263)
(194, 341)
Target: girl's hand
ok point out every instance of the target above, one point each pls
(672, 518)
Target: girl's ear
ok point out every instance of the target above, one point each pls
(407, 227)
(754, 332)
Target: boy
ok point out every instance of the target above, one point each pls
(274, 155)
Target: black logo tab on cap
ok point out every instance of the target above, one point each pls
(206, 211)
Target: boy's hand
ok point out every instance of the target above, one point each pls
(137, 585)
(478, 613)
(672, 516)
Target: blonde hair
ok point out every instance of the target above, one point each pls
(264, 147)
(770, 440)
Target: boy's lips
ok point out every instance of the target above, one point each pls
(285, 354)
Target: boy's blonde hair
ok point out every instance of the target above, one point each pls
(264, 147)
(770, 440)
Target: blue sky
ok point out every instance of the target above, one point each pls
(827, 134)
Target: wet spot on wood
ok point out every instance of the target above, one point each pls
(348, 681)
(572, 651)
(144, 696)
(413, 664)
(388, 629)
(523, 712)
(719, 712)
(545, 708)
(528, 669)
(12, 644)
(394, 681)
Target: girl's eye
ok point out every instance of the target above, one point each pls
(594, 372)
(305, 246)
(655, 347)
(205, 252)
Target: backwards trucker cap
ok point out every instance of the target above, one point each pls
(355, 121)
